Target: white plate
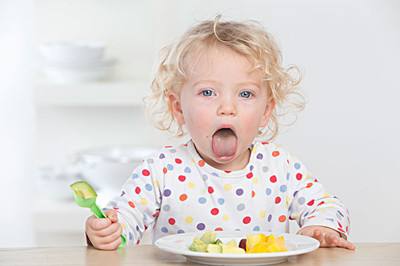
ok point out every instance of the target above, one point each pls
(179, 244)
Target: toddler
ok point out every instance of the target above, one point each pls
(221, 84)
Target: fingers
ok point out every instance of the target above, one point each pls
(103, 232)
(112, 215)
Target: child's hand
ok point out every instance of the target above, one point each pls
(327, 237)
(104, 233)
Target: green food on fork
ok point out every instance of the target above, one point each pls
(85, 196)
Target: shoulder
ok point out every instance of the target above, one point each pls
(270, 151)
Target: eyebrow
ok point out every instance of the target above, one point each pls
(258, 85)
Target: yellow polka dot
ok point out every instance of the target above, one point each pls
(189, 219)
(309, 177)
(326, 195)
(255, 180)
(191, 185)
(227, 187)
(225, 217)
(143, 201)
(262, 214)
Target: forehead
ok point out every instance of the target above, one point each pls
(218, 61)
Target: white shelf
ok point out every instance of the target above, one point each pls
(93, 94)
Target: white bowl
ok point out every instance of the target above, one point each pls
(108, 168)
(72, 51)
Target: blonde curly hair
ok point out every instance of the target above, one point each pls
(246, 38)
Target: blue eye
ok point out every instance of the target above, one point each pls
(207, 92)
(246, 94)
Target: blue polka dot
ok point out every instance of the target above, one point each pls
(251, 167)
(148, 187)
(187, 169)
(180, 231)
(205, 177)
(221, 201)
(162, 156)
(164, 229)
(167, 192)
(239, 191)
(297, 166)
(134, 176)
(268, 191)
(214, 174)
(283, 188)
(240, 207)
(287, 176)
(166, 207)
(202, 200)
(201, 226)
(172, 150)
(260, 156)
(301, 200)
(170, 167)
(256, 228)
(269, 218)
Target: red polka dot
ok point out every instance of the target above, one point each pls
(201, 163)
(178, 161)
(246, 220)
(171, 221)
(299, 176)
(309, 185)
(310, 203)
(249, 175)
(165, 170)
(214, 211)
(322, 202)
(275, 153)
(210, 190)
(131, 204)
(218, 229)
(137, 190)
(253, 193)
(145, 172)
(278, 200)
(183, 197)
(264, 142)
(182, 178)
(168, 146)
(272, 179)
(282, 218)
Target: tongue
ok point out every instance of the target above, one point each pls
(224, 143)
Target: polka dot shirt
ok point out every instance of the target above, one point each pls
(176, 191)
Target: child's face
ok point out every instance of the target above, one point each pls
(221, 92)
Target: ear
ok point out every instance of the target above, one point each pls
(175, 107)
(267, 113)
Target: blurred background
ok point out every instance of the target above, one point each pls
(73, 75)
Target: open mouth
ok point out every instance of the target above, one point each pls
(224, 143)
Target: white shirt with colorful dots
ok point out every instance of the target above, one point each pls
(176, 191)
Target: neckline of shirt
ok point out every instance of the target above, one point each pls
(221, 173)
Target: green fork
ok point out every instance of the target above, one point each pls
(85, 196)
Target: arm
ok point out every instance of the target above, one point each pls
(139, 203)
(319, 214)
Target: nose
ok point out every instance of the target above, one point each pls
(227, 107)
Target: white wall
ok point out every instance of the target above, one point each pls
(16, 123)
(348, 51)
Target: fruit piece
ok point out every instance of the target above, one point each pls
(232, 249)
(253, 240)
(242, 243)
(218, 241)
(266, 244)
(231, 243)
(214, 248)
(83, 190)
(198, 245)
(209, 237)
